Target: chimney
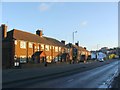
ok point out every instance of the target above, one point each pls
(63, 42)
(77, 43)
(39, 33)
(70, 44)
(84, 47)
(4, 30)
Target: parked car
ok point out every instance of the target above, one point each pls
(100, 59)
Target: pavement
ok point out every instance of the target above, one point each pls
(25, 73)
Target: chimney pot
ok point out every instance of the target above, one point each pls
(39, 33)
(77, 44)
(63, 42)
(84, 47)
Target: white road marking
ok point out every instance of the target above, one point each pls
(70, 80)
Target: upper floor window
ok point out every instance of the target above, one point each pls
(50, 47)
(47, 47)
(22, 44)
(59, 48)
(15, 42)
(53, 47)
(56, 49)
(68, 50)
(42, 46)
(30, 45)
(38, 47)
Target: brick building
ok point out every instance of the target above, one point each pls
(26, 47)
(78, 53)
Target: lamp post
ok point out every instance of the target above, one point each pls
(97, 46)
(73, 35)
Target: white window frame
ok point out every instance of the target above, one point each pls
(22, 44)
(35, 47)
(23, 57)
(38, 48)
(50, 47)
(56, 49)
(47, 47)
(59, 48)
(42, 46)
(47, 57)
(30, 45)
(15, 42)
(50, 57)
(53, 47)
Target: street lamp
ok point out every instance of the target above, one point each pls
(97, 46)
(73, 35)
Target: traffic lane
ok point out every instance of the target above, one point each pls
(89, 79)
(85, 67)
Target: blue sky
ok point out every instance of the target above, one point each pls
(96, 23)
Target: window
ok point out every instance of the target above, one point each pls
(23, 59)
(50, 57)
(50, 47)
(56, 49)
(30, 45)
(22, 44)
(47, 47)
(53, 47)
(38, 47)
(15, 57)
(68, 50)
(42, 46)
(59, 48)
(15, 42)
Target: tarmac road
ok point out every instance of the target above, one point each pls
(98, 77)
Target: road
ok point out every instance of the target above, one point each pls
(96, 78)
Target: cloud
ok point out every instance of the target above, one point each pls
(83, 23)
(44, 7)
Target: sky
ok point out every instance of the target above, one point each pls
(96, 23)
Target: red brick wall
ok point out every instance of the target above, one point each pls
(20, 51)
(7, 54)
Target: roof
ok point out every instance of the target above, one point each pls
(78, 47)
(26, 36)
(55, 41)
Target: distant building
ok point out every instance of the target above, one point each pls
(78, 53)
